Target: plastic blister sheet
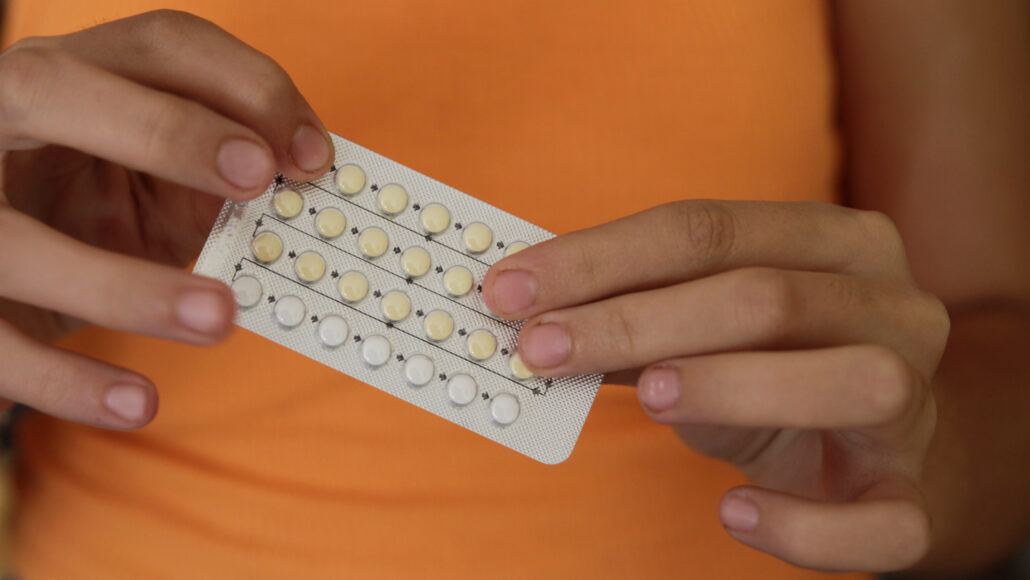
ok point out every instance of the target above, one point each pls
(550, 413)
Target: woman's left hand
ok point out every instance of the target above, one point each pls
(789, 339)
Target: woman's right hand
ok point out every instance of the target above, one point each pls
(118, 144)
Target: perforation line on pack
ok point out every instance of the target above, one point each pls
(375, 270)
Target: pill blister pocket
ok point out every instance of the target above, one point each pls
(374, 270)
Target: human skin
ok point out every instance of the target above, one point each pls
(836, 311)
(806, 344)
(98, 187)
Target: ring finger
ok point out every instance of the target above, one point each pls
(53, 271)
(746, 309)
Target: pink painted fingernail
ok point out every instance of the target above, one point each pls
(310, 149)
(738, 514)
(513, 291)
(245, 164)
(545, 346)
(127, 401)
(659, 389)
(202, 311)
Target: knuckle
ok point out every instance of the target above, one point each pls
(845, 292)
(938, 321)
(165, 119)
(586, 266)
(766, 302)
(33, 42)
(273, 88)
(158, 31)
(52, 391)
(876, 222)
(889, 383)
(881, 230)
(166, 24)
(622, 328)
(708, 227)
(26, 71)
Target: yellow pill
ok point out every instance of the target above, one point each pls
(267, 247)
(481, 344)
(439, 325)
(373, 242)
(330, 222)
(515, 248)
(350, 179)
(288, 203)
(415, 262)
(477, 238)
(435, 218)
(310, 267)
(353, 286)
(457, 280)
(396, 306)
(393, 199)
(518, 368)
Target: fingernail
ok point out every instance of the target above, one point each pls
(545, 346)
(310, 150)
(127, 401)
(514, 291)
(739, 514)
(659, 389)
(202, 311)
(245, 164)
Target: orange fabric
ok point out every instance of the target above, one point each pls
(264, 464)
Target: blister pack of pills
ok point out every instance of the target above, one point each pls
(375, 270)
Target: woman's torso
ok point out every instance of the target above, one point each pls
(263, 463)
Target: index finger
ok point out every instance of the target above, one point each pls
(687, 240)
(193, 58)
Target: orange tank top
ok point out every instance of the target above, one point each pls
(262, 463)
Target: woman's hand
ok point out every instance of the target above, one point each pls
(118, 144)
(786, 338)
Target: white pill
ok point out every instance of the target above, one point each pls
(333, 331)
(477, 238)
(375, 350)
(289, 311)
(247, 290)
(418, 370)
(393, 199)
(462, 389)
(504, 408)
(350, 179)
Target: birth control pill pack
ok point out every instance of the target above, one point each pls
(375, 270)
